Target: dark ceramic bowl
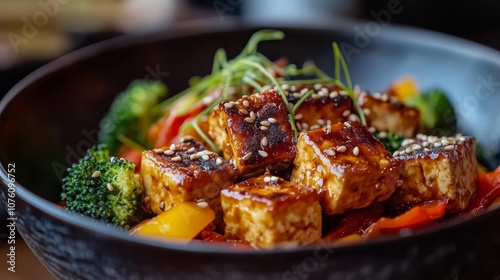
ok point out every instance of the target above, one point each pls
(49, 119)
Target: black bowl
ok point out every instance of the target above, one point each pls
(50, 118)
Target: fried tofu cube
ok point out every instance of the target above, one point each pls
(437, 168)
(326, 105)
(385, 113)
(348, 166)
(254, 133)
(267, 211)
(184, 172)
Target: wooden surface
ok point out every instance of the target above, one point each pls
(27, 265)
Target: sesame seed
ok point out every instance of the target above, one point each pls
(382, 134)
(421, 136)
(330, 152)
(346, 113)
(409, 150)
(177, 158)
(333, 94)
(263, 153)
(173, 147)
(461, 138)
(313, 127)
(347, 124)
(191, 150)
(274, 179)
(297, 95)
(264, 142)
(328, 129)
(228, 105)
(407, 142)
(355, 151)
(246, 103)
(247, 156)
(399, 183)
(264, 128)
(305, 125)
(110, 187)
(267, 179)
(320, 122)
(162, 205)
(317, 86)
(298, 116)
(168, 152)
(205, 157)
(343, 92)
(427, 150)
(202, 204)
(265, 123)
(243, 111)
(252, 115)
(293, 88)
(353, 118)
(384, 97)
(416, 147)
(396, 153)
(445, 142)
(249, 120)
(372, 129)
(324, 90)
(304, 91)
(315, 96)
(285, 86)
(194, 157)
(377, 95)
(159, 151)
(449, 147)
(96, 174)
(186, 138)
(425, 144)
(299, 126)
(219, 161)
(437, 144)
(341, 149)
(272, 120)
(366, 111)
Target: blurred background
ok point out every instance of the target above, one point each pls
(34, 32)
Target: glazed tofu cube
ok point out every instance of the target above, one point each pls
(385, 113)
(347, 165)
(267, 210)
(184, 172)
(437, 168)
(325, 106)
(254, 133)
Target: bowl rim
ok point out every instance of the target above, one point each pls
(393, 32)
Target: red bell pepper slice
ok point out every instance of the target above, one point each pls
(488, 190)
(418, 215)
(172, 124)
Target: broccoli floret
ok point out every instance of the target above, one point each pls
(130, 114)
(103, 187)
(437, 116)
(391, 140)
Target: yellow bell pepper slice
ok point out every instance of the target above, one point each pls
(182, 223)
(404, 88)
